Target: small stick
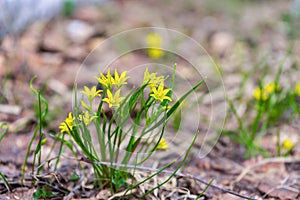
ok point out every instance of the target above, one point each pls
(263, 162)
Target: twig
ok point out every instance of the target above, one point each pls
(72, 193)
(263, 162)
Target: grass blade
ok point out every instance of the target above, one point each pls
(8, 187)
(5, 130)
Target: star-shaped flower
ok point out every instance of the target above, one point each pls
(67, 125)
(106, 81)
(118, 81)
(151, 79)
(160, 94)
(113, 100)
(91, 93)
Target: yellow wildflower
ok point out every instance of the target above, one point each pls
(287, 144)
(160, 93)
(260, 94)
(271, 87)
(113, 100)
(152, 79)
(68, 124)
(154, 43)
(153, 40)
(106, 81)
(86, 118)
(265, 92)
(118, 81)
(297, 89)
(155, 53)
(91, 93)
(162, 145)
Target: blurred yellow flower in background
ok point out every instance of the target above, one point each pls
(265, 92)
(260, 94)
(272, 87)
(154, 42)
(287, 144)
(155, 53)
(297, 89)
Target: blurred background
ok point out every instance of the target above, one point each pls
(244, 41)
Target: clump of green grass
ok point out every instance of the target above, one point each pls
(271, 104)
(150, 104)
(4, 126)
(128, 136)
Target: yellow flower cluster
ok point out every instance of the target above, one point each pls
(154, 43)
(265, 92)
(112, 85)
(156, 84)
(69, 123)
(108, 81)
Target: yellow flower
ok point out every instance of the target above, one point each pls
(152, 79)
(118, 81)
(113, 100)
(297, 89)
(68, 124)
(160, 94)
(162, 145)
(91, 93)
(287, 144)
(106, 81)
(153, 40)
(86, 118)
(260, 94)
(155, 53)
(271, 87)
(154, 43)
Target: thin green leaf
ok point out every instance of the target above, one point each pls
(178, 167)
(148, 178)
(5, 130)
(206, 187)
(8, 187)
